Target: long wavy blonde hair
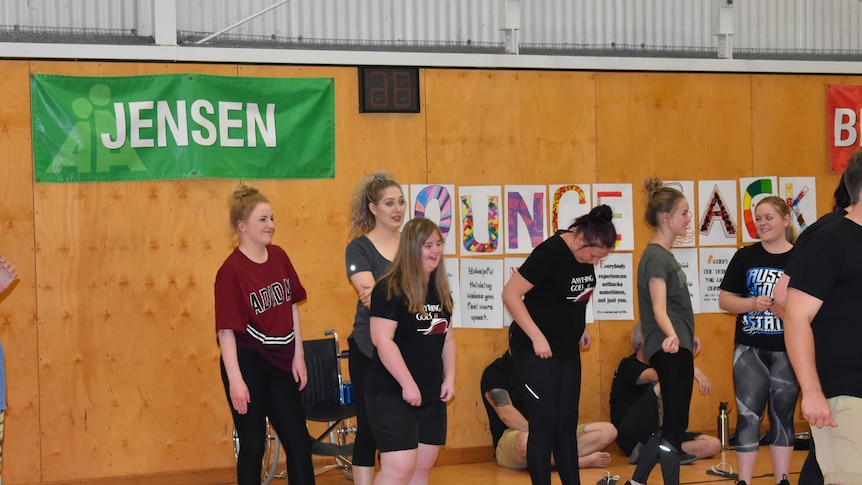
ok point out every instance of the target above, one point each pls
(369, 191)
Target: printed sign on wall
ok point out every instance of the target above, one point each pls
(436, 202)
(174, 126)
(481, 214)
(619, 198)
(843, 111)
(526, 223)
(716, 216)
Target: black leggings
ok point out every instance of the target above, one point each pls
(676, 376)
(274, 394)
(364, 445)
(552, 392)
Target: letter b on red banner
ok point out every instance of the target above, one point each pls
(843, 113)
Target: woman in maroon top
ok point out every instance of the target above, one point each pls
(257, 321)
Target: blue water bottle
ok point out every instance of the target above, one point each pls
(346, 393)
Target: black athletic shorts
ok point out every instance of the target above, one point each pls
(399, 426)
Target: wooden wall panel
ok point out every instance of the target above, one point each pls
(677, 127)
(18, 304)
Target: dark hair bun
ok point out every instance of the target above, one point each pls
(602, 213)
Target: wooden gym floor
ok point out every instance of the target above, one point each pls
(490, 474)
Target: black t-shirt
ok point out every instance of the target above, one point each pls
(753, 271)
(419, 338)
(829, 268)
(824, 220)
(558, 300)
(625, 391)
(501, 375)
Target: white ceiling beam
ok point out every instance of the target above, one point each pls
(16, 50)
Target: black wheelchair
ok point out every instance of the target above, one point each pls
(324, 402)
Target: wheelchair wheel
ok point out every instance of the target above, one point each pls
(345, 434)
(271, 450)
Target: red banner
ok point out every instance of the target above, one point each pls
(843, 111)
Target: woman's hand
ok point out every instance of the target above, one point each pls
(541, 347)
(762, 303)
(239, 396)
(586, 340)
(447, 391)
(300, 372)
(411, 395)
(703, 382)
(365, 294)
(670, 344)
(7, 273)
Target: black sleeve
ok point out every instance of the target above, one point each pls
(734, 277)
(494, 377)
(383, 307)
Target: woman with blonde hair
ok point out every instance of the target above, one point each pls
(667, 323)
(263, 368)
(762, 373)
(377, 211)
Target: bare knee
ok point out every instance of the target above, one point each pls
(396, 466)
(704, 446)
(521, 444)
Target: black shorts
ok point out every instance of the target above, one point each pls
(399, 426)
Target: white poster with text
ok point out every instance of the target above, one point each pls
(454, 289)
(713, 265)
(481, 293)
(510, 265)
(613, 298)
(687, 259)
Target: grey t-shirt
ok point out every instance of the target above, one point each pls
(361, 255)
(658, 262)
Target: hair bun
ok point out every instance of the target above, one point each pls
(653, 185)
(602, 213)
(244, 190)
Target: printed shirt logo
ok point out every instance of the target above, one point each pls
(760, 282)
(270, 296)
(436, 325)
(581, 288)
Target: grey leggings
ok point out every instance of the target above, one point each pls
(761, 377)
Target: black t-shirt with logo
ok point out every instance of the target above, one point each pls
(420, 339)
(753, 271)
(558, 301)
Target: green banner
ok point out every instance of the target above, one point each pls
(173, 126)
